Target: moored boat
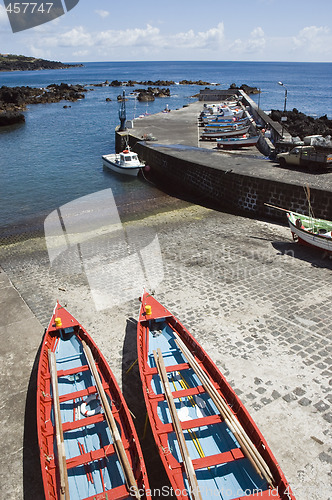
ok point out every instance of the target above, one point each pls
(208, 443)
(126, 162)
(220, 124)
(245, 140)
(218, 118)
(88, 444)
(221, 111)
(232, 131)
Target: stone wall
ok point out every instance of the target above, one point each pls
(231, 191)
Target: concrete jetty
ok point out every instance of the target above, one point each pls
(238, 181)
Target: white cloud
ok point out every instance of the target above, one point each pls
(137, 37)
(102, 13)
(313, 39)
(40, 52)
(148, 39)
(211, 38)
(151, 42)
(76, 37)
(255, 44)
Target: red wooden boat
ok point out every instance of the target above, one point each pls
(208, 443)
(88, 444)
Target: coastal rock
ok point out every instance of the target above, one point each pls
(246, 88)
(156, 92)
(197, 82)
(11, 118)
(300, 125)
(145, 97)
(158, 83)
(15, 99)
(115, 83)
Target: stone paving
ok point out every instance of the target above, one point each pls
(259, 304)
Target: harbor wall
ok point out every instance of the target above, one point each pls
(232, 191)
(227, 190)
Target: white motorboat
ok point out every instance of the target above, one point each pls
(237, 142)
(126, 162)
(225, 132)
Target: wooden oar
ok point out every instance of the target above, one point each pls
(245, 442)
(64, 486)
(118, 444)
(188, 465)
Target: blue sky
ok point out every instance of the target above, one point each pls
(243, 30)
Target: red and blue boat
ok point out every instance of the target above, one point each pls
(88, 443)
(208, 443)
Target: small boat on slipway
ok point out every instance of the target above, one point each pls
(207, 441)
(126, 162)
(88, 443)
(245, 140)
(308, 230)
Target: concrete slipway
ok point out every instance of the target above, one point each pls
(260, 306)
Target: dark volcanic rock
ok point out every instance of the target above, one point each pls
(300, 125)
(246, 88)
(10, 118)
(145, 97)
(115, 83)
(150, 93)
(15, 99)
(197, 82)
(159, 83)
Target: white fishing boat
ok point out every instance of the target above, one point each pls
(126, 162)
(226, 132)
(222, 124)
(222, 111)
(237, 142)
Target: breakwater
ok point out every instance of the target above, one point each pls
(240, 183)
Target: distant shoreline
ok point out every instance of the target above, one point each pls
(12, 62)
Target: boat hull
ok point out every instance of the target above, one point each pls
(234, 132)
(237, 142)
(221, 468)
(310, 238)
(92, 464)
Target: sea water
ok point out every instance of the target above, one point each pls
(55, 156)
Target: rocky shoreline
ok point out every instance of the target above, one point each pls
(150, 83)
(300, 125)
(14, 100)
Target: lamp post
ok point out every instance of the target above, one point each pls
(282, 129)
